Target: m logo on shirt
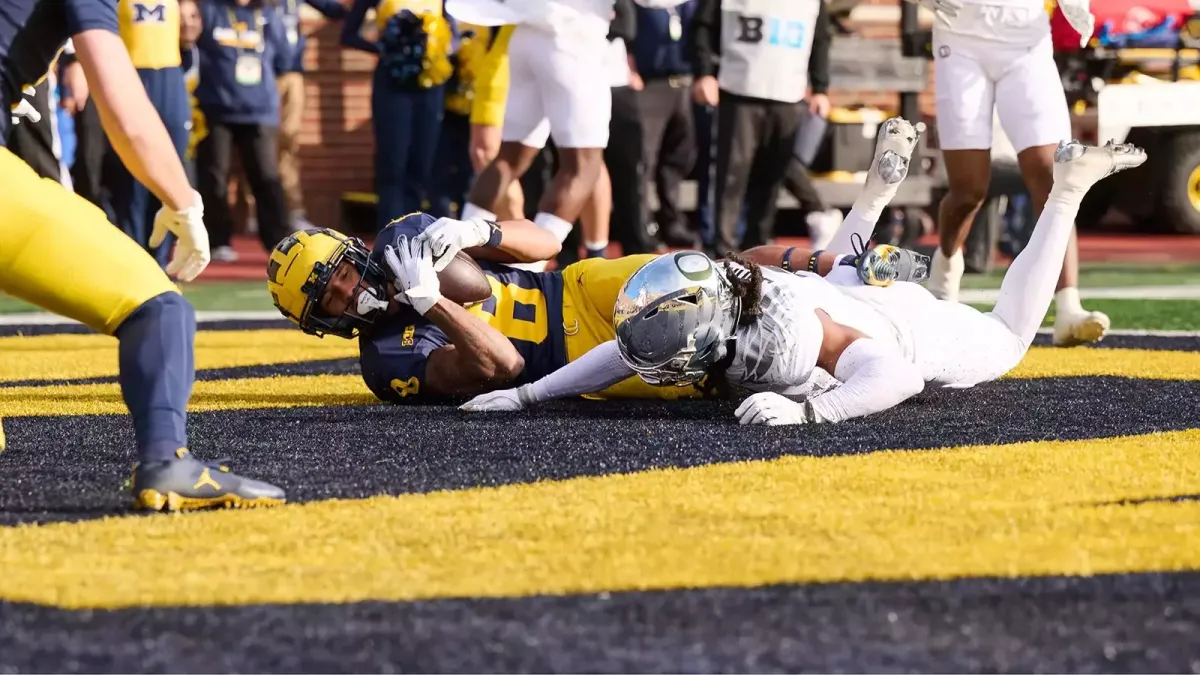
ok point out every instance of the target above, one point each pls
(146, 13)
(776, 32)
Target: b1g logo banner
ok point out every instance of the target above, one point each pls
(776, 32)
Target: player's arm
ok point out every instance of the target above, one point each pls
(352, 27)
(479, 358)
(130, 121)
(509, 241)
(874, 376)
(595, 371)
(792, 258)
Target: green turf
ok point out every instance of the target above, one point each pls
(1140, 314)
(1109, 275)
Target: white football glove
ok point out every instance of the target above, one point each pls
(448, 236)
(192, 253)
(25, 108)
(944, 10)
(411, 261)
(1078, 13)
(494, 401)
(774, 410)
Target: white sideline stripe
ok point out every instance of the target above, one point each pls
(1191, 292)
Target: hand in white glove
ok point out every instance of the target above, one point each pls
(944, 10)
(1078, 13)
(448, 236)
(25, 108)
(494, 401)
(192, 253)
(412, 264)
(774, 410)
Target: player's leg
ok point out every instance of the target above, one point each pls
(485, 145)
(60, 253)
(597, 216)
(965, 103)
(894, 146)
(1033, 110)
(1028, 286)
(525, 128)
(578, 104)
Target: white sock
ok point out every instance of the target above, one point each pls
(945, 275)
(551, 222)
(863, 217)
(470, 211)
(1066, 302)
(1028, 285)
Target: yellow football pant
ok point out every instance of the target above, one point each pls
(590, 289)
(60, 252)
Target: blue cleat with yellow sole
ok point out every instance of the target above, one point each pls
(187, 484)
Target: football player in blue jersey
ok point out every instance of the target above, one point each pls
(59, 252)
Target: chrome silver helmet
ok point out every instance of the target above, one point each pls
(674, 317)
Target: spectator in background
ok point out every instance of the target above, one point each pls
(770, 53)
(660, 57)
(415, 42)
(190, 26)
(150, 31)
(91, 145)
(487, 116)
(623, 156)
(34, 142)
(453, 171)
(242, 49)
(291, 102)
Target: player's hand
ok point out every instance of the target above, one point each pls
(944, 10)
(192, 253)
(1078, 13)
(494, 401)
(448, 236)
(411, 262)
(706, 91)
(774, 410)
(24, 109)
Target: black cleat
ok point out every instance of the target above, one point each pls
(186, 484)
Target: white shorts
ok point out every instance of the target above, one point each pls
(1001, 59)
(555, 91)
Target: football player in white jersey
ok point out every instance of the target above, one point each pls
(998, 55)
(681, 319)
(558, 87)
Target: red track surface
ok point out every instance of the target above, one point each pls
(1092, 248)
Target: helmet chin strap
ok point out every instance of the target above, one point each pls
(367, 302)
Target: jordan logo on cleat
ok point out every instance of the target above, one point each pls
(206, 479)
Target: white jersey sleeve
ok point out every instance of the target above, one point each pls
(778, 352)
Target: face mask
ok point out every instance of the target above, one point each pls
(367, 303)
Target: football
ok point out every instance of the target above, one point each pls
(463, 281)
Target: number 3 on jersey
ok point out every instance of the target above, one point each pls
(518, 313)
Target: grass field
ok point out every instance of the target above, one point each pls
(1047, 522)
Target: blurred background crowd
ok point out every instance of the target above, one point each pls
(285, 115)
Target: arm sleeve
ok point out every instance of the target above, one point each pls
(624, 24)
(818, 60)
(595, 371)
(706, 38)
(84, 15)
(330, 9)
(875, 378)
(393, 363)
(353, 26)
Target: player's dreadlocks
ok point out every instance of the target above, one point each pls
(746, 280)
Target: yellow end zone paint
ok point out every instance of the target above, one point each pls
(1137, 363)
(65, 357)
(1017, 510)
(240, 394)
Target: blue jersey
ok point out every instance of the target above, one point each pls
(33, 32)
(525, 306)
